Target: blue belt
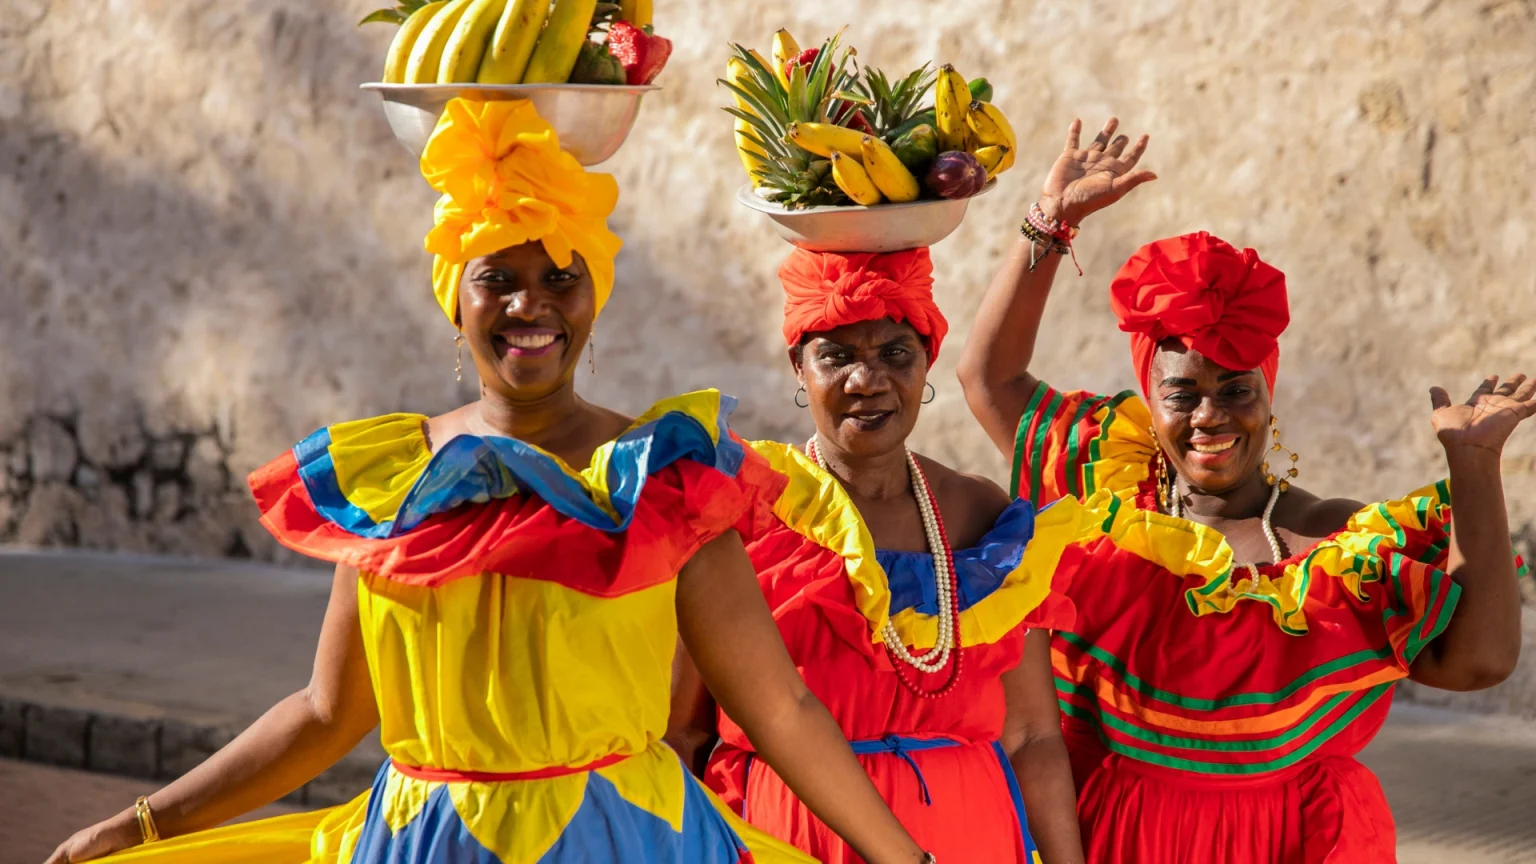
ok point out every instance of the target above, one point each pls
(897, 745)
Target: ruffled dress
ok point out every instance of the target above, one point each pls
(519, 622)
(1213, 718)
(936, 762)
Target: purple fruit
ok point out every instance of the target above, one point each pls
(955, 174)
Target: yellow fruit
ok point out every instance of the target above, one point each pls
(991, 129)
(627, 11)
(735, 72)
(824, 138)
(886, 171)
(427, 53)
(751, 154)
(785, 49)
(512, 44)
(471, 36)
(643, 13)
(555, 55)
(951, 104)
(405, 39)
(851, 177)
(991, 158)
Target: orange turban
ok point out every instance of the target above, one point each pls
(827, 290)
(1224, 303)
(505, 182)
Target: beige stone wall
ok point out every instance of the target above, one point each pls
(209, 242)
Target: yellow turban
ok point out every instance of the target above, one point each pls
(505, 181)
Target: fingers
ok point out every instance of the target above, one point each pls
(1101, 140)
(1074, 134)
(1122, 185)
(1133, 155)
(1483, 389)
(1438, 398)
(1527, 389)
(1117, 146)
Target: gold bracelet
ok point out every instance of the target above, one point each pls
(146, 819)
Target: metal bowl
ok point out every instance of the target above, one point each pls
(592, 120)
(881, 228)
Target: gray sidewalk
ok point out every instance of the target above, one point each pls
(144, 666)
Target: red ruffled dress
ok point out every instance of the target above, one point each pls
(1214, 718)
(936, 762)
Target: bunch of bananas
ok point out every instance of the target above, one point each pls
(520, 42)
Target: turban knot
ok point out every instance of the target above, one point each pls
(827, 290)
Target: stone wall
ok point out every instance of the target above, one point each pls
(210, 244)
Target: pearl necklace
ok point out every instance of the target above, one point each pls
(946, 582)
(1269, 528)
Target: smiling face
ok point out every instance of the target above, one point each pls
(525, 319)
(864, 383)
(1212, 422)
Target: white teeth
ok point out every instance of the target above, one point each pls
(529, 340)
(1214, 448)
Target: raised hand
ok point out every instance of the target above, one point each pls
(1487, 418)
(1084, 181)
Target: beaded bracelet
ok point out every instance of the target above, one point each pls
(1058, 232)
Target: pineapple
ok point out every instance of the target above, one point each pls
(822, 92)
(888, 109)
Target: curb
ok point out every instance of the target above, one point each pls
(149, 748)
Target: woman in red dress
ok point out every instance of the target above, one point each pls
(914, 599)
(1237, 638)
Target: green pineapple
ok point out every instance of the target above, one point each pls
(888, 108)
(822, 92)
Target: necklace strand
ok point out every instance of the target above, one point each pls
(1269, 528)
(946, 584)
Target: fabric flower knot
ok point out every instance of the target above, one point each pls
(827, 290)
(1223, 302)
(505, 182)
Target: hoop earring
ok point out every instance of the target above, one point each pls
(1293, 472)
(1163, 479)
(592, 355)
(932, 393)
(458, 357)
(798, 403)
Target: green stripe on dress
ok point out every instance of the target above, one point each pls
(1042, 431)
(1018, 441)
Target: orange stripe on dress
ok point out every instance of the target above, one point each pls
(449, 775)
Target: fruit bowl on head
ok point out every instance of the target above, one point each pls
(857, 228)
(592, 120)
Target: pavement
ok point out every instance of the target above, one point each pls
(115, 667)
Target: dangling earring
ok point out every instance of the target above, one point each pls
(1163, 479)
(458, 357)
(1292, 472)
(798, 403)
(932, 393)
(592, 355)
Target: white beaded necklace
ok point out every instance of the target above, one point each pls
(1269, 529)
(943, 572)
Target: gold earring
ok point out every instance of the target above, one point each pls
(458, 357)
(1292, 473)
(1162, 475)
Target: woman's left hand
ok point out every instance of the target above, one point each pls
(1486, 420)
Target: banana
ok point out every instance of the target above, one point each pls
(735, 72)
(785, 49)
(405, 38)
(991, 158)
(466, 47)
(427, 53)
(824, 138)
(627, 11)
(752, 156)
(512, 44)
(886, 171)
(951, 101)
(555, 55)
(991, 129)
(643, 13)
(851, 177)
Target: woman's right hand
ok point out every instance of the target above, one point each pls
(1084, 181)
(105, 837)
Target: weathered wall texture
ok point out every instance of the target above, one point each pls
(210, 244)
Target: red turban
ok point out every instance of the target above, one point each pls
(1224, 303)
(827, 290)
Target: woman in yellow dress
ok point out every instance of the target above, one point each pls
(509, 621)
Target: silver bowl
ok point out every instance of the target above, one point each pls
(881, 228)
(592, 120)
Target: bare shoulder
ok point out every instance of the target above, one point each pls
(968, 503)
(1308, 515)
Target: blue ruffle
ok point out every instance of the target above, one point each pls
(471, 469)
(981, 569)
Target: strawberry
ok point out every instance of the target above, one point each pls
(642, 54)
(806, 58)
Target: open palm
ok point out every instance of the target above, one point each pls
(1085, 180)
(1487, 418)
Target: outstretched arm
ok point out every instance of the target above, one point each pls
(730, 634)
(994, 366)
(1481, 644)
(287, 747)
(1032, 739)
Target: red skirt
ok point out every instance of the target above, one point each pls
(1329, 810)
